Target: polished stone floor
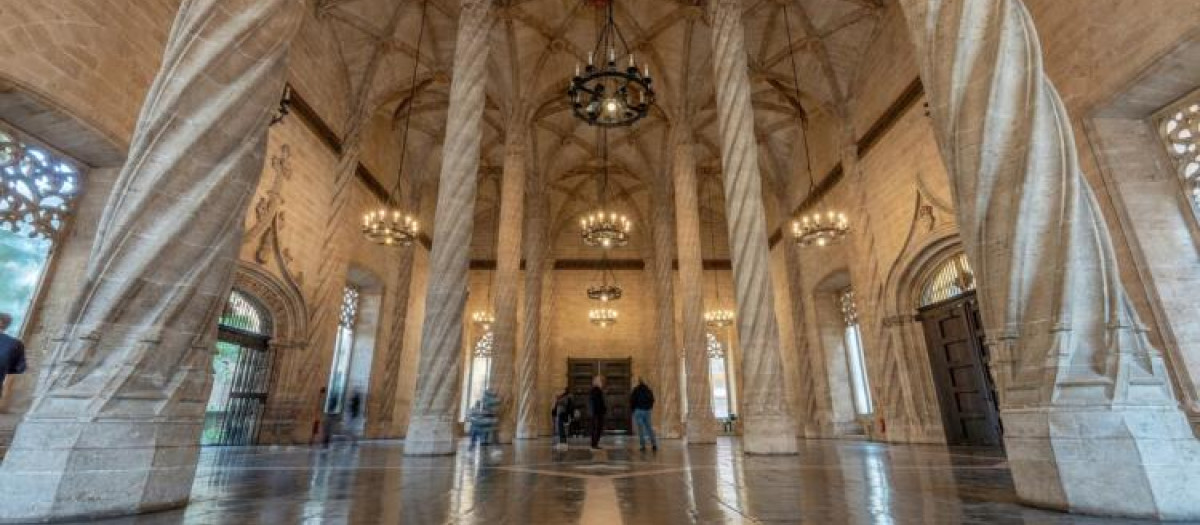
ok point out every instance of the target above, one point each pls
(829, 482)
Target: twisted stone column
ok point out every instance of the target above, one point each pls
(768, 425)
(666, 357)
(529, 351)
(508, 279)
(115, 423)
(1083, 394)
(701, 424)
(431, 430)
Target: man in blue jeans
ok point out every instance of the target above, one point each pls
(642, 402)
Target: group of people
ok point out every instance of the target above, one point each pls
(564, 412)
(12, 351)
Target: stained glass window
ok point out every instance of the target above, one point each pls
(38, 190)
(718, 376)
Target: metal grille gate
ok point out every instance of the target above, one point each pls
(242, 374)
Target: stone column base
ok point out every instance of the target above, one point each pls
(701, 430)
(774, 435)
(67, 470)
(431, 436)
(1134, 462)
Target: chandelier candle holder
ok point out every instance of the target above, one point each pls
(604, 292)
(484, 319)
(719, 318)
(614, 92)
(820, 229)
(602, 317)
(389, 228)
(605, 230)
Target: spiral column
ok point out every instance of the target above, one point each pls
(115, 423)
(666, 356)
(1083, 394)
(432, 426)
(529, 352)
(508, 280)
(768, 426)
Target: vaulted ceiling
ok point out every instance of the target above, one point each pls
(535, 47)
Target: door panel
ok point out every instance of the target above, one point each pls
(617, 386)
(965, 390)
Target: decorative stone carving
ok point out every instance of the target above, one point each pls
(768, 423)
(1083, 393)
(115, 423)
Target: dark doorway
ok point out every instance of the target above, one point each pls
(617, 386)
(954, 334)
(241, 374)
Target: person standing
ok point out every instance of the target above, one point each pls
(642, 402)
(12, 351)
(484, 418)
(599, 410)
(561, 414)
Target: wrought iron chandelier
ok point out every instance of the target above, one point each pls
(820, 228)
(389, 225)
(605, 228)
(602, 317)
(614, 92)
(605, 291)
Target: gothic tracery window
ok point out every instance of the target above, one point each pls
(855, 358)
(38, 191)
(718, 376)
(480, 369)
(342, 349)
(952, 279)
(1180, 129)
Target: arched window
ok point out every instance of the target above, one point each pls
(952, 279)
(479, 371)
(241, 373)
(856, 361)
(1180, 129)
(335, 395)
(719, 377)
(38, 190)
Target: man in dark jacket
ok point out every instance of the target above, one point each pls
(599, 410)
(12, 351)
(642, 402)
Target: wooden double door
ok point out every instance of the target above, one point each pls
(967, 394)
(617, 387)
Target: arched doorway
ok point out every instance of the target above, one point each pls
(241, 373)
(949, 313)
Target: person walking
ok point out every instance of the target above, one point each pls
(599, 410)
(483, 418)
(642, 402)
(12, 351)
(561, 414)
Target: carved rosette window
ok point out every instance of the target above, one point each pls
(849, 308)
(38, 188)
(483, 347)
(1180, 129)
(349, 311)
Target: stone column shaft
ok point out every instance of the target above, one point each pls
(431, 430)
(115, 423)
(768, 426)
(508, 280)
(701, 424)
(1082, 392)
(666, 356)
(529, 351)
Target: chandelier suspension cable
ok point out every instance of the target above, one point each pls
(817, 229)
(393, 197)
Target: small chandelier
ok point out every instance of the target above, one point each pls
(390, 226)
(820, 229)
(605, 230)
(607, 290)
(389, 229)
(719, 318)
(484, 319)
(608, 94)
(602, 317)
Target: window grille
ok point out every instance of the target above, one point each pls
(952, 279)
(1180, 129)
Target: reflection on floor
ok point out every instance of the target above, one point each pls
(829, 482)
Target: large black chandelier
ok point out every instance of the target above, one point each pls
(611, 91)
(389, 225)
